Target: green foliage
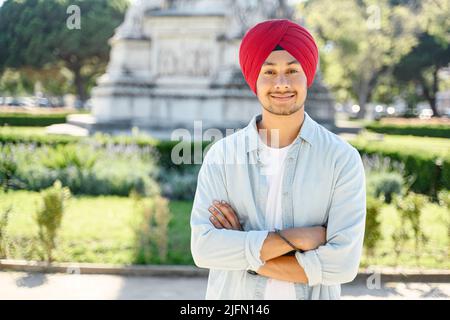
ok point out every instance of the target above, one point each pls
(19, 135)
(33, 33)
(385, 184)
(49, 216)
(384, 177)
(8, 168)
(4, 216)
(425, 159)
(84, 168)
(14, 83)
(166, 150)
(163, 147)
(20, 119)
(179, 184)
(54, 80)
(438, 131)
(410, 208)
(420, 66)
(434, 19)
(151, 229)
(372, 233)
(444, 198)
(359, 41)
(71, 155)
(98, 230)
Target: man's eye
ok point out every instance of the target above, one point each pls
(268, 72)
(293, 71)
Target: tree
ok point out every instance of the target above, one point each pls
(34, 34)
(360, 41)
(435, 20)
(420, 67)
(13, 82)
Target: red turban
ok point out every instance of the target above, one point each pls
(264, 37)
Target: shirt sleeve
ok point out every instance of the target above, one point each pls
(338, 260)
(220, 248)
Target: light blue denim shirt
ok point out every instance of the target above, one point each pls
(323, 184)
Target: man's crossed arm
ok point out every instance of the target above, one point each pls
(277, 264)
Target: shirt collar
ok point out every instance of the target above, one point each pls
(307, 132)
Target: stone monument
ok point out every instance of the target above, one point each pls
(176, 62)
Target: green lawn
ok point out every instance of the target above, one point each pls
(436, 226)
(94, 229)
(98, 229)
(431, 146)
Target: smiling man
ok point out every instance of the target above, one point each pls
(279, 210)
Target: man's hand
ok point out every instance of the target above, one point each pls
(223, 216)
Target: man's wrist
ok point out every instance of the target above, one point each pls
(288, 241)
(294, 235)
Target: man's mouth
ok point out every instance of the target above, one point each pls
(283, 97)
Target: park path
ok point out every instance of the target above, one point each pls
(21, 285)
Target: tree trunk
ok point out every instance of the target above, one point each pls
(362, 100)
(363, 96)
(365, 90)
(435, 90)
(430, 93)
(79, 84)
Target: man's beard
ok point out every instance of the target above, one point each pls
(282, 112)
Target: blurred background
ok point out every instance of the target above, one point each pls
(96, 95)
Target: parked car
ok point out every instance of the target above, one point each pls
(426, 114)
(15, 102)
(43, 102)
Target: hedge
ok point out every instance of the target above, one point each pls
(31, 120)
(436, 130)
(432, 172)
(164, 148)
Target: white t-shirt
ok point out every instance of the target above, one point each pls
(273, 168)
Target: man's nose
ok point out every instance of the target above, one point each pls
(282, 82)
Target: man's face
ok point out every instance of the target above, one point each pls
(282, 85)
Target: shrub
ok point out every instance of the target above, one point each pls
(160, 150)
(436, 130)
(71, 155)
(372, 233)
(178, 185)
(410, 210)
(151, 228)
(8, 168)
(7, 136)
(431, 172)
(444, 198)
(385, 184)
(384, 177)
(444, 201)
(85, 168)
(4, 215)
(49, 216)
(31, 120)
